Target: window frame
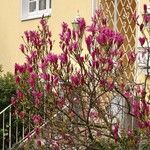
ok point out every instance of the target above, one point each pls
(26, 15)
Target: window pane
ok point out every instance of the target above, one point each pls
(32, 6)
(42, 4)
(49, 3)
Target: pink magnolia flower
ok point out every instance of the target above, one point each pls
(145, 108)
(22, 114)
(45, 76)
(52, 58)
(74, 34)
(31, 82)
(32, 78)
(13, 101)
(88, 41)
(17, 79)
(102, 82)
(77, 79)
(115, 131)
(122, 86)
(141, 124)
(50, 43)
(92, 29)
(39, 142)
(142, 40)
(54, 79)
(68, 36)
(93, 114)
(37, 119)
(26, 33)
(145, 8)
(29, 68)
(63, 58)
(141, 26)
(43, 22)
(82, 24)
(16, 68)
(44, 64)
(98, 13)
(102, 39)
(134, 16)
(64, 27)
(37, 97)
(20, 68)
(29, 59)
(136, 108)
(95, 64)
(55, 145)
(130, 133)
(22, 48)
(37, 130)
(20, 95)
(104, 21)
(147, 123)
(80, 59)
(146, 18)
(119, 38)
(110, 85)
(60, 103)
(95, 53)
(132, 56)
(143, 92)
(33, 55)
(128, 94)
(47, 87)
(75, 46)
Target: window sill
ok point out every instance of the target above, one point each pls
(36, 16)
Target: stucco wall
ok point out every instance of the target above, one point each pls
(11, 26)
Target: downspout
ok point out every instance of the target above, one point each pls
(93, 2)
(136, 71)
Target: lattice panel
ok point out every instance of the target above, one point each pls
(107, 6)
(118, 13)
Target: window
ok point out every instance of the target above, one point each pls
(32, 9)
(119, 109)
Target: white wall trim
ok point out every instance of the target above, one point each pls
(94, 7)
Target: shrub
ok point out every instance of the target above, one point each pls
(7, 89)
(81, 94)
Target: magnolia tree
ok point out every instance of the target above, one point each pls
(81, 98)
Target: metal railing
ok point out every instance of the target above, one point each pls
(11, 130)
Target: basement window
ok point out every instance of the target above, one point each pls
(32, 9)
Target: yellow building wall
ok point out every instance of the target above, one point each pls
(12, 28)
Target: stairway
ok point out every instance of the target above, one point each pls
(12, 131)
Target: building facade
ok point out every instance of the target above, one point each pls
(20, 15)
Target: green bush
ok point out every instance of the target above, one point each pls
(7, 88)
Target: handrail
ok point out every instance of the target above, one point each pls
(5, 108)
(32, 133)
(9, 139)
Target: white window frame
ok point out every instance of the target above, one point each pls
(26, 15)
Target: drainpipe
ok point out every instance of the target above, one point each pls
(93, 2)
